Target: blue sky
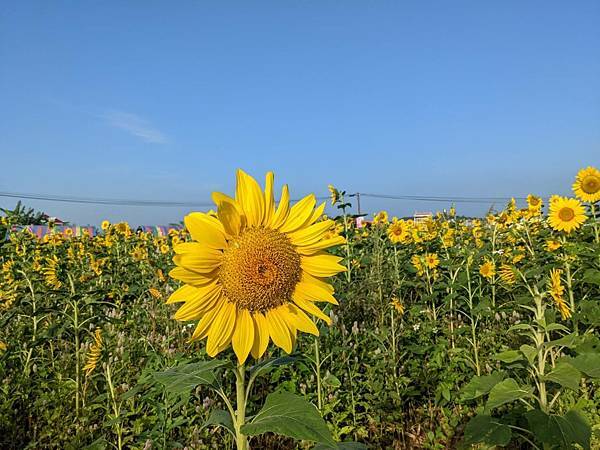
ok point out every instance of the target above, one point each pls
(164, 100)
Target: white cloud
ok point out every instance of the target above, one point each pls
(135, 126)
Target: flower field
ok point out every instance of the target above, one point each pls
(441, 333)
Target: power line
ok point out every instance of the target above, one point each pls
(117, 202)
(446, 199)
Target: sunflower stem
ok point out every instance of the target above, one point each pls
(318, 373)
(240, 416)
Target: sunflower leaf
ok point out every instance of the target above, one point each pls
(290, 415)
(184, 378)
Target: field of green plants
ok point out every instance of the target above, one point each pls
(449, 333)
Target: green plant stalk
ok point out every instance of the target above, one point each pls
(34, 323)
(541, 356)
(318, 375)
(240, 415)
(473, 322)
(75, 306)
(569, 282)
(347, 246)
(115, 407)
(595, 223)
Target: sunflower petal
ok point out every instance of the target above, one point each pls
(300, 321)
(279, 331)
(250, 196)
(190, 277)
(221, 329)
(230, 215)
(317, 213)
(203, 261)
(194, 309)
(283, 208)
(206, 229)
(311, 234)
(321, 245)
(314, 293)
(206, 321)
(322, 265)
(299, 214)
(311, 308)
(261, 335)
(243, 336)
(269, 200)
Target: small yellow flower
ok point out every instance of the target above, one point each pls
(155, 293)
(105, 225)
(3, 346)
(164, 249)
(487, 270)
(552, 245)
(534, 202)
(68, 232)
(398, 306)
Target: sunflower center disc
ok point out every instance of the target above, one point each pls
(260, 269)
(566, 214)
(590, 185)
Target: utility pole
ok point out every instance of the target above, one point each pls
(358, 202)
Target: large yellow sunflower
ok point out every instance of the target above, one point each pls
(253, 272)
(587, 185)
(566, 214)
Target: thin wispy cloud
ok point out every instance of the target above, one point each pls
(136, 126)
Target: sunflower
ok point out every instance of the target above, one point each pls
(381, 217)
(398, 306)
(105, 225)
(334, 194)
(557, 290)
(507, 274)
(253, 272)
(487, 270)
(398, 231)
(587, 185)
(534, 202)
(69, 232)
(94, 354)
(552, 245)
(566, 214)
(431, 260)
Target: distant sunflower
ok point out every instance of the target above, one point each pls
(534, 202)
(381, 217)
(105, 225)
(431, 260)
(566, 214)
(487, 270)
(587, 185)
(552, 245)
(253, 272)
(398, 306)
(94, 354)
(557, 290)
(334, 194)
(507, 274)
(398, 231)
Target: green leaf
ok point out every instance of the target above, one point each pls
(505, 392)
(290, 415)
(220, 418)
(342, 446)
(566, 375)
(557, 326)
(480, 385)
(529, 351)
(509, 356)
(267, 365)
(588, 363)
(569, 341)
(185, 377)
(488, 430)
(332, 381)
(591, 276)
(560, 430)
